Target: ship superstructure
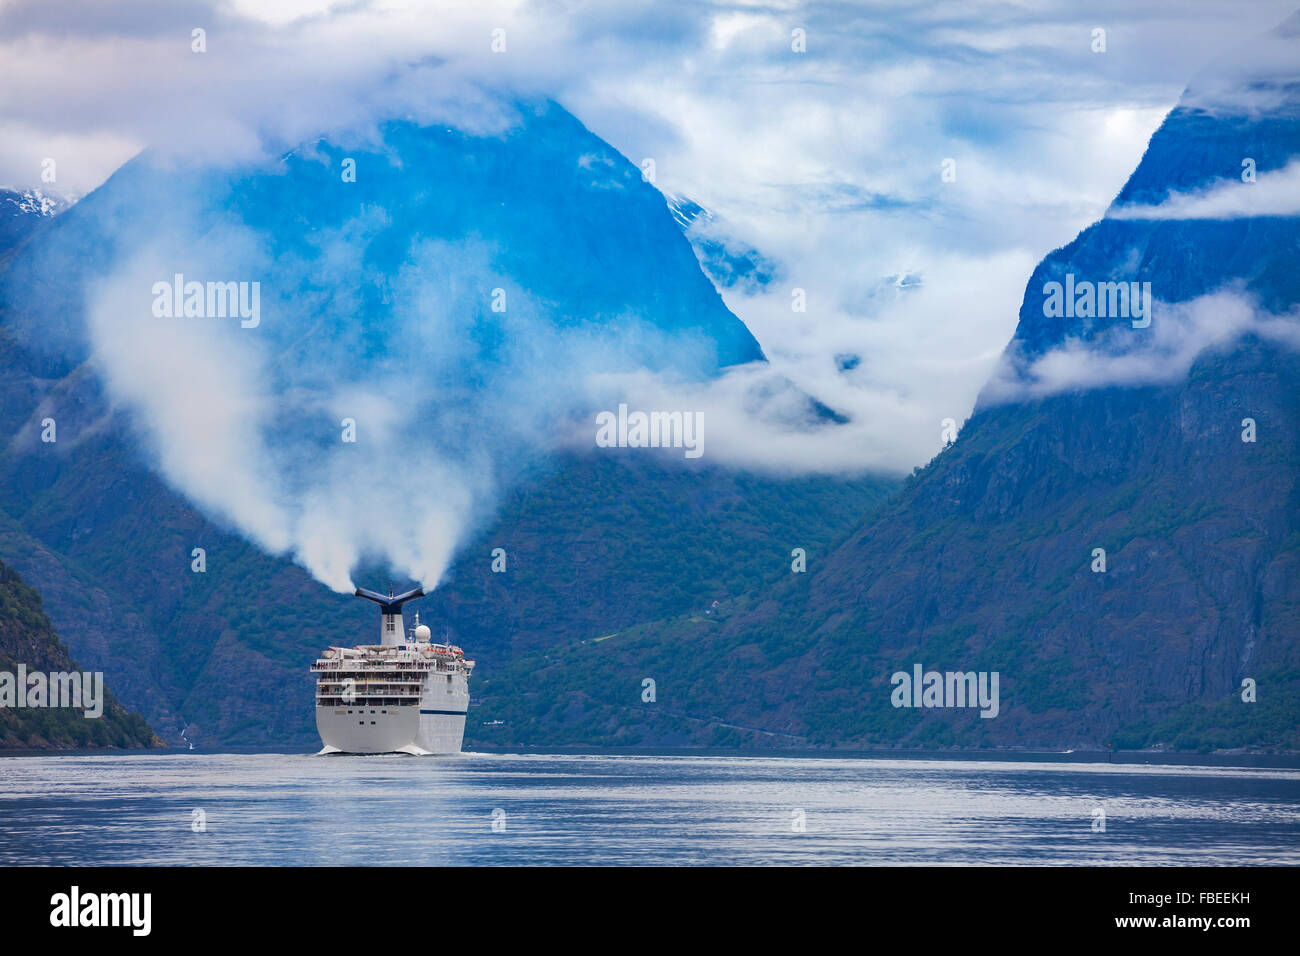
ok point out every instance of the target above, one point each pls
(405, 694)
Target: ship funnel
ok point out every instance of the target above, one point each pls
(390, 612)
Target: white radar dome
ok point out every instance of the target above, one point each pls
(422, 632)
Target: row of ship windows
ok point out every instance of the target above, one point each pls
(361, 712)
(395, 668)
(389, 701)
(364, 678)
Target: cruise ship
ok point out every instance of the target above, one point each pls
(402, 695)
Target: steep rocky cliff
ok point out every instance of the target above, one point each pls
(28, 646)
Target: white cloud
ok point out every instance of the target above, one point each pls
(1159, 354)
(1275, 193)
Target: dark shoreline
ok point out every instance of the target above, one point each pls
(1279, 761)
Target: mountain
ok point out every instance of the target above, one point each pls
(27, 638)
(22, 211)
(1194, 149)
(729, 263)
(986, 562)
(547, 211)
(342, 238)
(606, 543)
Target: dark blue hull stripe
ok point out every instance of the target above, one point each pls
(447, 713)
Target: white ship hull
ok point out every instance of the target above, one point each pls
(380, 730)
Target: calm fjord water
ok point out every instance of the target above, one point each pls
(636, 809)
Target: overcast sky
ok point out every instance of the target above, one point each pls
(829, 161)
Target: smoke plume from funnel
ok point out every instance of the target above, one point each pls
(314, 365)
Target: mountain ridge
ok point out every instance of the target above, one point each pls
(987, 559)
